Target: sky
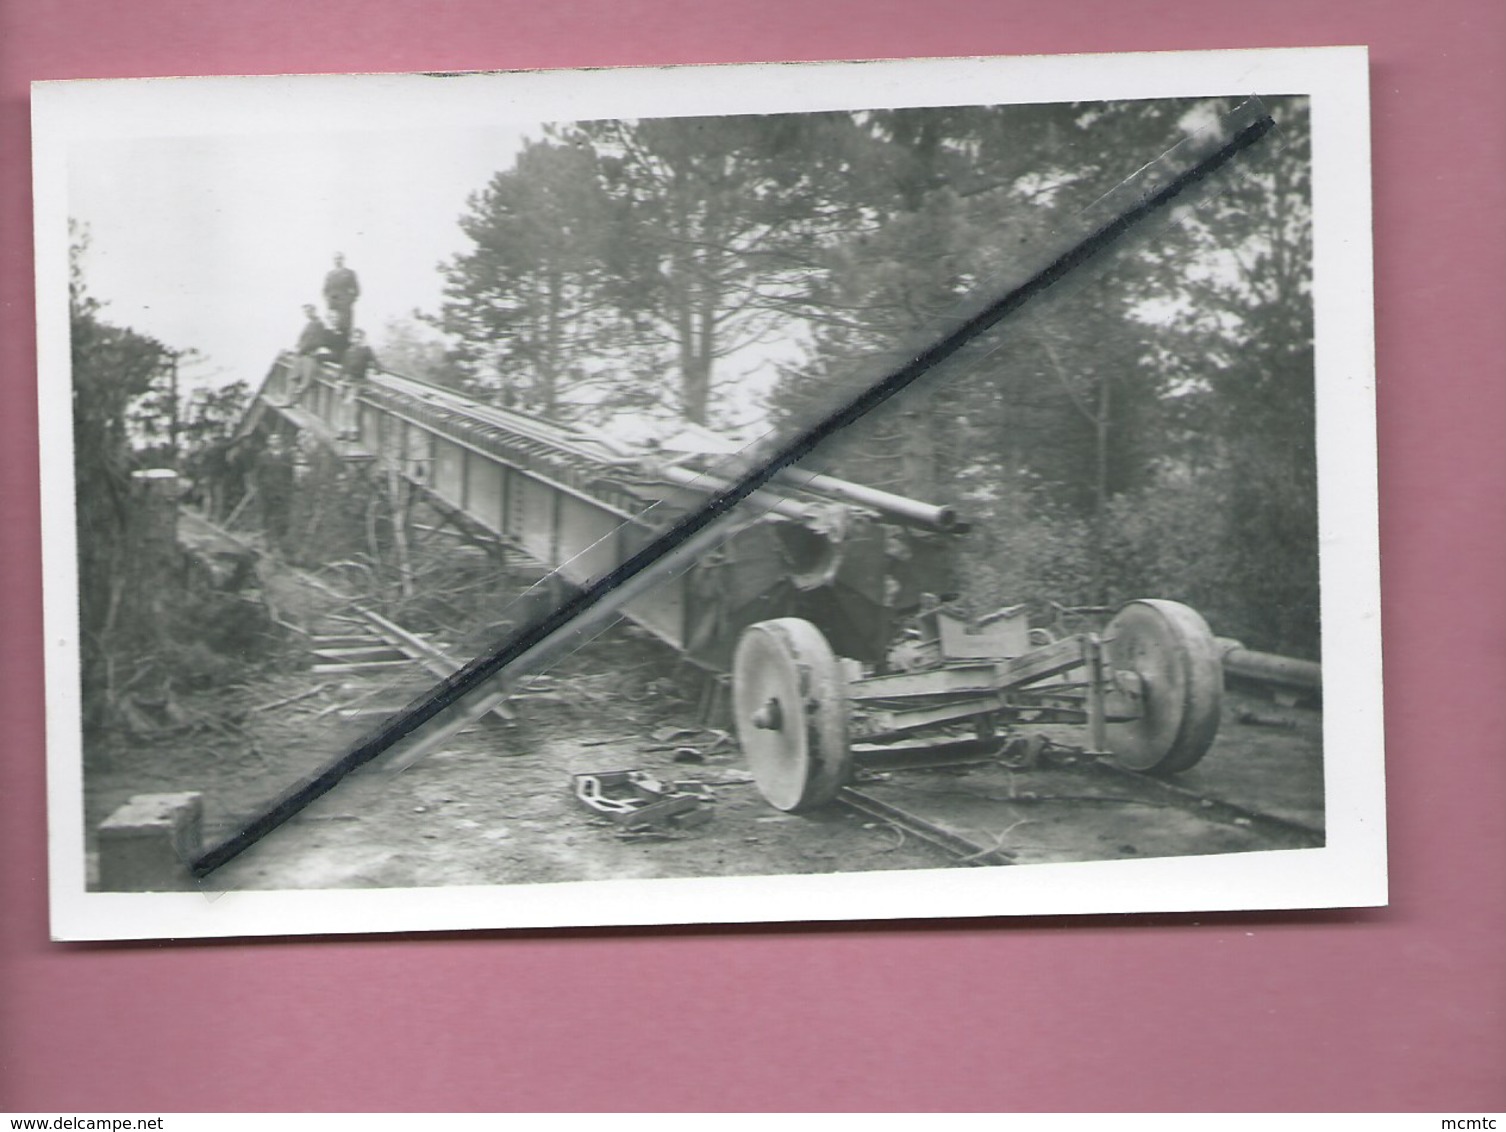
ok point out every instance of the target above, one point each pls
(215, 242)
(214, 211)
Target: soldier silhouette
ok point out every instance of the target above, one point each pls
(315, 342)
(341, 289)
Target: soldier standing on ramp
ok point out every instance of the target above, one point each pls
(341, 289)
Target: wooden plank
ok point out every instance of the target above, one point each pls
(381, 651)
(953, 680)
(363, 666)
(1049, 660)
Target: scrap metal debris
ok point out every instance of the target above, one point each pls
(637, 801)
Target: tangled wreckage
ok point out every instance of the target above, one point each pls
(822, 601)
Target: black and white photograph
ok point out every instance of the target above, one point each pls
(697, 495)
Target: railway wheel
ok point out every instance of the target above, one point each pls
(1169, 647)
(789, 696)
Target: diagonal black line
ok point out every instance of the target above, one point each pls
(490, 664)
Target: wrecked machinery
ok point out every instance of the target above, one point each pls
(863, 654)
(830, 612)
(825, 601)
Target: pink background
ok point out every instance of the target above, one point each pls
(1394, 1009)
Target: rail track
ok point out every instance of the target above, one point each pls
(383, 660)
(978, 803)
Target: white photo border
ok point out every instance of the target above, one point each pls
(1349, 871)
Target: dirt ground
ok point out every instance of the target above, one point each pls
(496, 805)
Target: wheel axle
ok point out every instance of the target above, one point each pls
(770, 717)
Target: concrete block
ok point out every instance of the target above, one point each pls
(146, 844)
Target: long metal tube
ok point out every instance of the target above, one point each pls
(1268, 668)
(894, 507)
(902, 508)
(710, 485)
